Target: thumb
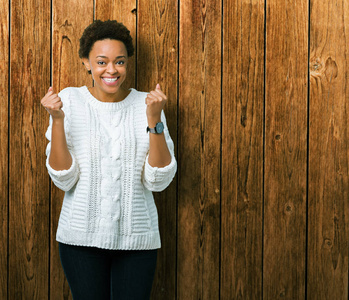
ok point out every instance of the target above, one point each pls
(158, 86)
(50, 89)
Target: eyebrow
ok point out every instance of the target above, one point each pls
(102, 56)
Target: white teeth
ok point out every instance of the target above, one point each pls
(110, 79)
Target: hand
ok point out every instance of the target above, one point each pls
(155, 101)
(53, 104)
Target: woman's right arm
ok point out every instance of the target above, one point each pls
(61, 164)
(60, 158)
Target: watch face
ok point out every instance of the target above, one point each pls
(159, 127)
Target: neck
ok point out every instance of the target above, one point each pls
(120, 95)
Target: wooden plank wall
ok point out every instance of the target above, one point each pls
(258, 93)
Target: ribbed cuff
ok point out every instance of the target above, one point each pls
(62, 174)
(157, 179)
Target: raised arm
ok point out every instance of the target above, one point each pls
(159, 154)
(60, 158)
(160, 165)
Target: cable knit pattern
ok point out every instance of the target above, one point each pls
(108, 200)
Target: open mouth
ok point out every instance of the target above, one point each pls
(110, 80)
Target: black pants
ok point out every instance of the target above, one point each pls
(99, 274)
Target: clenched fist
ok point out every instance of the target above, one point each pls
(155, 101)
(53, 104)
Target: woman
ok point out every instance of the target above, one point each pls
(109, 148)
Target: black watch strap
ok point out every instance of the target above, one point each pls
(159, 128)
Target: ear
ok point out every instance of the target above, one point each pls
(86, 62)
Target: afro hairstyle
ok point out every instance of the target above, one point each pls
(102, 30)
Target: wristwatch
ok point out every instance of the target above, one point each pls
(159, 128)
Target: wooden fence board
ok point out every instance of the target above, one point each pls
(285, 149)
(157, 44)
(29, 185)
(124, 11)
(246, 227)
(242, 150)
(199, 149)
(4, 50)
(328, 154)
(67, 70)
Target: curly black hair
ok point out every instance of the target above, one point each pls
(102, 30)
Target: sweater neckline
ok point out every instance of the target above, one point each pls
(109, 105)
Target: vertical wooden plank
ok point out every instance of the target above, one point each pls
(124, 11)
(70, 18)
(29, 185)
(285, 149)
(4, 47)
(328, 151)
(242, 149)
(157, 62)
(199, 149)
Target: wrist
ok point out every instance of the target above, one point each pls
(153, 121)
(57, 121)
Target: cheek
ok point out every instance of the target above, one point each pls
(96, 71)
(122, 71)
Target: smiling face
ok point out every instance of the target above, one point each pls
(108, 62)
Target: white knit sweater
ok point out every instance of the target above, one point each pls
(108, 201)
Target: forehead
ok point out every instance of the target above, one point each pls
(108, 48)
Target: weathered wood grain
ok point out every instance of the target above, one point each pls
(4, 93)
(328, 151)
(212, 242)
(199, 131)
(242, 149)
(157, 62)
(124, 11)
(29, 185)
(70, 18)
(285, 150)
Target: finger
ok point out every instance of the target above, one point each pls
(156, 95)
(46, 96)
(52, 101)
(149, 99)
(55, 107)
(152, 96)
(50, 91)
(160, 93)
(53, 97)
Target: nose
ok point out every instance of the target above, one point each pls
(111, 68)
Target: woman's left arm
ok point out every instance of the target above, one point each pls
(160, 165)
(159, 154)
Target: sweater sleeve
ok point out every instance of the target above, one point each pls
(157, 179)
(63, 179)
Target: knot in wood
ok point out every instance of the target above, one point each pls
(331, 69)
(327, 244)
(316, 67)
(29, 58)
(243, 120)
(66, 24)
(288, 208)
(282, 293)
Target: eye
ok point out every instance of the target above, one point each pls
(121, 62)
(100, 62)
